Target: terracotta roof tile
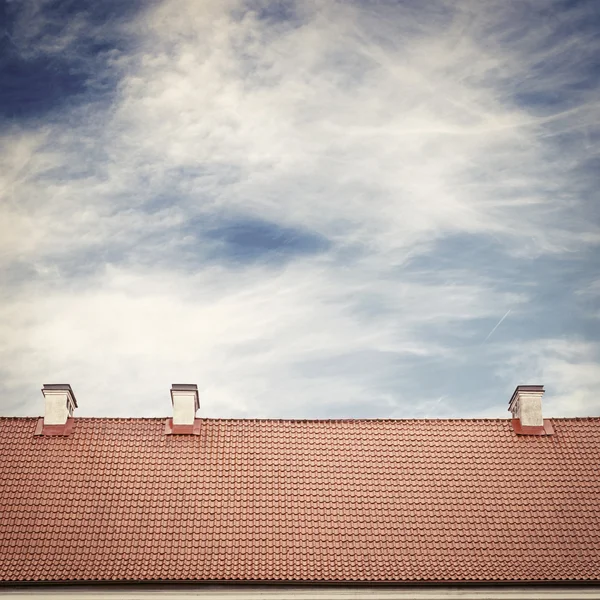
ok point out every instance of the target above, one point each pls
(268, 500)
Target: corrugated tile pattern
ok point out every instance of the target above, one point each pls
(267, 500)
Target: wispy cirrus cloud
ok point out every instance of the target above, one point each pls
(310, 210)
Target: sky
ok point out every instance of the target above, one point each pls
(310, 209)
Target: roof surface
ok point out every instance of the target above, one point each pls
(267, 500)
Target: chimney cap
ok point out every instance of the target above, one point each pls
(525, 388)
(184, 387)
(60, 387)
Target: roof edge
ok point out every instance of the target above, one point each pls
(186, 583)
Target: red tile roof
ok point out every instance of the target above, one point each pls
(267, 500)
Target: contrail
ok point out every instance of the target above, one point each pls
(497, 325)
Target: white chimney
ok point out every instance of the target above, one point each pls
(526, 405)
(60, 403)
(185, 403)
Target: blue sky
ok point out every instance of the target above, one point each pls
(312, 210)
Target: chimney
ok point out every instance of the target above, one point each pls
(185, 403)
(526, 405)
(60, 403)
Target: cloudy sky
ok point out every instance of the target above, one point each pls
(311, 209)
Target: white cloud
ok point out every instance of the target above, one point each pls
(242, 336)
(382, 130)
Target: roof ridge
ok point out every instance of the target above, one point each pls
(316, 420)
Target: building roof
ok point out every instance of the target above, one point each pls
(299, 501)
